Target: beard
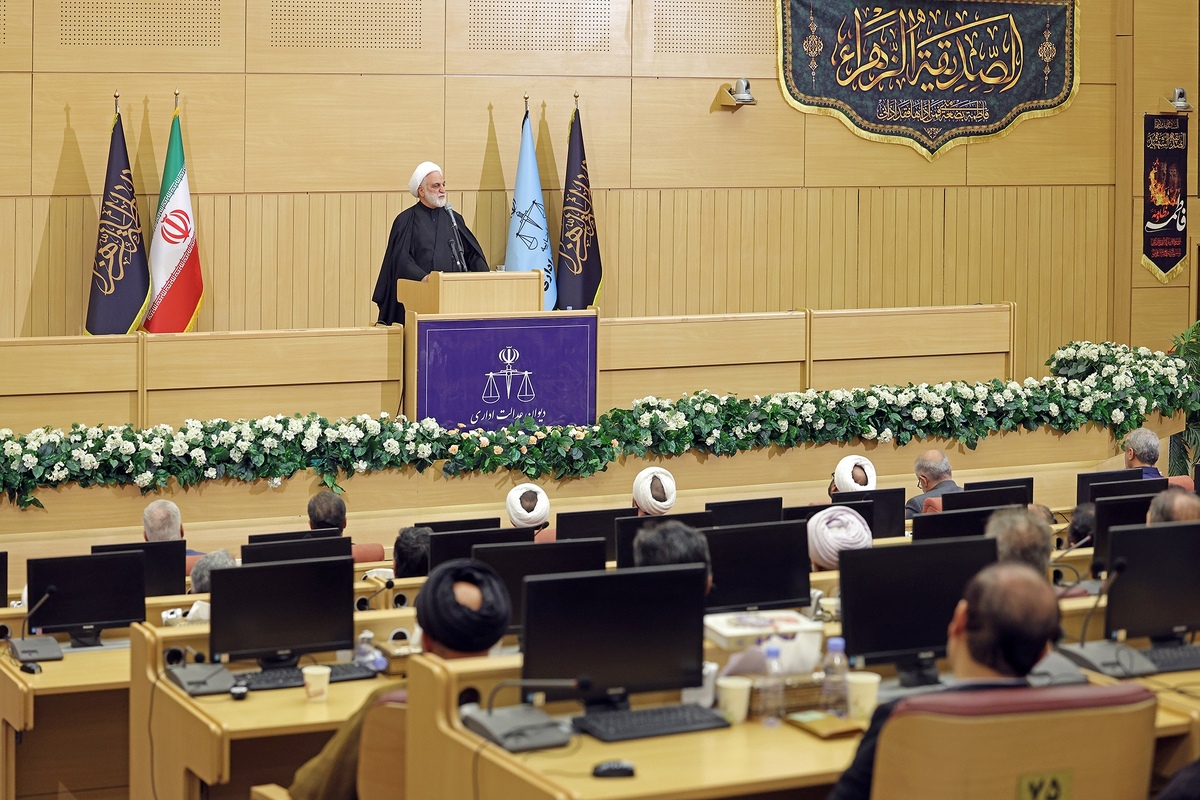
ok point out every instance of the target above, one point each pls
(434, 200)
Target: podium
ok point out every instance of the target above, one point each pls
(472, 293)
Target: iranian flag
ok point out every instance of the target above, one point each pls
(177, 286)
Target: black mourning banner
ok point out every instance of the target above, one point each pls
(1164, 212)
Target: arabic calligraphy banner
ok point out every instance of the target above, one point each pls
(933, 74)
(1164, 211)
(488, 373)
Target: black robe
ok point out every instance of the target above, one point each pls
(419, 244)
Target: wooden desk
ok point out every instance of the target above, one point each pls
(1177, 723)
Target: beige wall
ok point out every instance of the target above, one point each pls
(302, 122)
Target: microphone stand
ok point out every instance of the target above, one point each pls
(456, 245)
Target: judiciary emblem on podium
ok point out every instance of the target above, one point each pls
(491, 391)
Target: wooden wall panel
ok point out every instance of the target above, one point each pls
(729, 39)
(887, 333)
(836, 157)
(16, 44)
(16, 125)
(666, 342)
(1157, 314)
(1097, 41)
(619, 388)
(839, 374)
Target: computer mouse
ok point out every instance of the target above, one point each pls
(614, 769)
(32, 667)
(238, 691)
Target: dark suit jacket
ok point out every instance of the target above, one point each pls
(913, 506)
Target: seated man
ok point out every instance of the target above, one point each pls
(326, 510)
(671, 542)
(1141, 452)
(1002, 627)
(463, 610)
(653, 492)
(528, 506)
(933, 479)
(833, 530)
(1023, 536)
(1083, 523)
(853, 474)
(410, 554)
(202, 571)
(1173, 505)
(162, 522)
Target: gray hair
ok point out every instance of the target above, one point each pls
(1144, 444)
(933, 466)
(670, 542)
(161, 521)
(1021, 536)
(1173, 505)
(217, 559)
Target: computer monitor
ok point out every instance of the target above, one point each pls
(759, 566)
(953, 524)
(985, 498)
(1003, 483)
(1112, 511)
(1084, 480)
(4, 575)
(1098, 491)
(330, 547)
(626, 530)
(865, 509)
(449, 545)
(514, 561)
(165, 564)
(449, 525)
(91, 593)
(590, 524)
(279, 611)
(291, 536)
(1157, 594)
(897, 601)
(889, 510)
(629, 630)
(746, 512)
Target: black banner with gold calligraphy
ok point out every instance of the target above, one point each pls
(931, 74)
(1164, 212)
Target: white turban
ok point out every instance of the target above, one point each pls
(420, 173)
(833, 530)
(528, 519)
(843, 476)
(645, 500)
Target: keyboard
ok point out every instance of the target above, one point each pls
(1174, 658)
(642, 723)
(292, 677)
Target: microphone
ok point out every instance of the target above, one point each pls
(364, 603)
(521, 727)
(460, 256)
(1063, 554)
(580, 684)
(1118, 567)
(35, 648)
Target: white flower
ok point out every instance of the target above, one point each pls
(872, 401)
(361, 466)
(144, 479)
(709, 408)
(12, 449)
(870, 432)
(331, 434)
(156, 458)
(937, 414)
(819, 424)
(919, 413)
(644, 420)
(373, 427)
(94, 433)
(274, 483)
(198, 456)
(980, 409)
(424, 450)
(1118, 416)
(59, 472)
(1085, 405)
(270, 443)
(308, 444)
(1008, 395)
(997, 399)
(955, 409)
(981, 392)
(885, 436)
(127, 448)
(1054, 409)
(295, 425)
(210, 473)
(226, 437)
(783, 426)
(391, 447)
(88, 462)
(179, 447)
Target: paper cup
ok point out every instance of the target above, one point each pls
(862, 694)
(831, 608)
(316, 682)
(733, 697)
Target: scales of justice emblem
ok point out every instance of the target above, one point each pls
(491, 392)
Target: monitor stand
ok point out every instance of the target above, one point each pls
(917, 671)
(278, 662)
(617, 702)
(82, 638)
(89, 641)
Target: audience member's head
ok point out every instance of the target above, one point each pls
(653, 492)
(833, 530)
(202, 569)
(528, 506)
(326, 510)
(1042, 511)
(1083, 523)
(1023, 536)
(1141, 448)
(1005, 623)
(853, 474)
(1173, 505)
(671, 542)
(932, 467)
(463, 609)
(161, 522)
(410, 554)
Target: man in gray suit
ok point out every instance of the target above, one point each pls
(933, 478)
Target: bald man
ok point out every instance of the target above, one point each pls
(933, 479)
(1173, 505)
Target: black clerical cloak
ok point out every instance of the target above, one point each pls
(419, 244)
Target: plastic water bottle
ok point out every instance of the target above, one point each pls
(833, 687)
(772, 688)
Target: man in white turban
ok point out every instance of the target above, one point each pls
(653, 492)
(832, 531)
(528, 506)
(429, 237)
(853, 474)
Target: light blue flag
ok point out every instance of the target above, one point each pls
(528, 235)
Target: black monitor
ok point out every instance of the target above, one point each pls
(1157, 594)
(1098, 491)
(953, 524)
(865, 509)
(449, 525)
(1084, 480)
(165, 564)
(4, 575)
(759, 566)
(277, 612)
(326, 547)
(1112, 511)
(629, 630)
(91, 593)
(1002, 483)
(898, 601)
(514, 561)
(889, 510)
(985, 498)
(450, 545)
(626, 530)
(291, 536)
(590, 524)
(746, 512)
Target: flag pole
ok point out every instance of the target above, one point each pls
(527, 102)
(176, 98)
(117, 101)
(577, 101)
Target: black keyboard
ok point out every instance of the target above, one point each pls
(642, 723)
(292, 677)
(1174, 658)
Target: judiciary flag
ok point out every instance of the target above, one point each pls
(120, 276)
(579, 271)
(178, 287)
(528, 235)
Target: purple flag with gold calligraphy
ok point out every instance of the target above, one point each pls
(1164, 206)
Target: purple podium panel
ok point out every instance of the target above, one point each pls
(489, 373)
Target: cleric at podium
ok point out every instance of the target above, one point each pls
(426, 238)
